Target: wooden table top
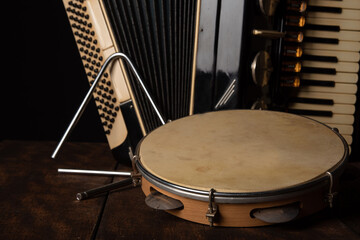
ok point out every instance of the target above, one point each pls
(37, 202)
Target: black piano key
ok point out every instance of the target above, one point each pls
(324, 9)
(319, 58)
(331, 71)
(331, 28)
(312, 101)
(321, 40)
(311, 112)
(305, 82)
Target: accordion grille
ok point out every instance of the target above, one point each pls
(158, 35)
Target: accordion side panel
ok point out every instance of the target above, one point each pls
(114, 48)
(94, 47)
(100, 26)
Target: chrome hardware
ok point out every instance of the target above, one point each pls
(135, 175)
(268, 7)
(96, 172)
(330, 196)
(261, 68)
(159, 201)
(212, 209)
(259, 104)
(279, 214)
(227, 95)
(268, 33)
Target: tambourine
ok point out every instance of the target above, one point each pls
(241, 168)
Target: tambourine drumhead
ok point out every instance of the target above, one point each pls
(241, 151)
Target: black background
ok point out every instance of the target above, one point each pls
(44, 82)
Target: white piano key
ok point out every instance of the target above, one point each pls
(343, 24)
(338, 88)
(343, 129)
(336, 108)
(337, 78)
(346, 51)
(343, 35)
(339, 66)
(341, 46)
(345, 4)
(335, 119)
(350, 14)
(336, 97)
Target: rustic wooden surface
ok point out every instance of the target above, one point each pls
(39, 203)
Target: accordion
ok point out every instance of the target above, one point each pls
(197, 56)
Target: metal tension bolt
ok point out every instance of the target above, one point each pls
(135, 175)
(331, 194)
(212, 209)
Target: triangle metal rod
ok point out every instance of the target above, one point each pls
(86, 100)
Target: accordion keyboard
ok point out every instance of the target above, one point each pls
(330, 66)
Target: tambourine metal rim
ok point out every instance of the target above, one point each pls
(319, 182)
